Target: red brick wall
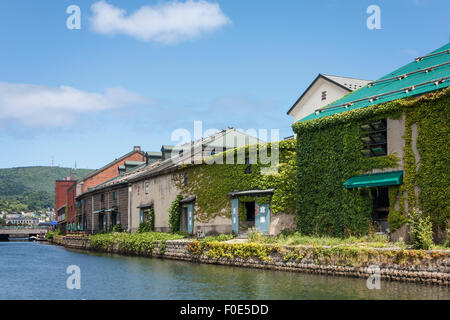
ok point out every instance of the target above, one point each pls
(61, 187)
(71, 194)
(109, 173)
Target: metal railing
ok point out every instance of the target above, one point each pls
(24, 227)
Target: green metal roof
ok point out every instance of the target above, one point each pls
(375, 180)
(154, 154)
(415, 78)
(134, 163)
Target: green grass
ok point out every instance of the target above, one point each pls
(144, 236)
(296, 238)
(141, 241)
(134, 243)
(220, 238)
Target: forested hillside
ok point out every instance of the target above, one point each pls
(32, 188)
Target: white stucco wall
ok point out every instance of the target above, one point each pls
(162, 192)
(313, 98)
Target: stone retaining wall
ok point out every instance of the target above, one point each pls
(428, 267)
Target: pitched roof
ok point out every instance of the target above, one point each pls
(345, 83)
(424, 74)
(111, 163)
(350, 83)
(216, 140)
(123, 178)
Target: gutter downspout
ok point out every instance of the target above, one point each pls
(92, 215)
(129, 207)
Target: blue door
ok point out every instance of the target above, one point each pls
(262, 217)
(190, 218)
(235, 215)
(141, 215)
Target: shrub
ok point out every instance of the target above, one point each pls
(255, 236)
(51, 234)
(117, 228)
(447, 240)
(421, 230)
(145, 227)
(220, 238)
(134, 243)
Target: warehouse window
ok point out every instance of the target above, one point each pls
(374, 138)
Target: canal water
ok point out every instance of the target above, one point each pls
(31, 270)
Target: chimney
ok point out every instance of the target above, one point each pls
(137, 148)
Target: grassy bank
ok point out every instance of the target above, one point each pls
(132, 243)
(296, 238)
(342, 257)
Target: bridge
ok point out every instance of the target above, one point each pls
(20, 232)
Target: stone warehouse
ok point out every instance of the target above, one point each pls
(214, 198)
(369, 158)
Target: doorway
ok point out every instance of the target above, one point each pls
(102, 222)
(380, 208)
(184, 219)
(248, 219)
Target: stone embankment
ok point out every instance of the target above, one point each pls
(419, 266)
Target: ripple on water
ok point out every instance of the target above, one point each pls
(31, 270)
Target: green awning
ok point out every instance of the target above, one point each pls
(392, 178)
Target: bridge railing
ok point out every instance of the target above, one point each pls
(24, 227)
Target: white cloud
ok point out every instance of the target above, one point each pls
(167, 23)
(37, 105)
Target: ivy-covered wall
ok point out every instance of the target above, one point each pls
(211, 183)
(328, 153)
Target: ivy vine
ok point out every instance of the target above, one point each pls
(328, 154)
(175, 214)
(211, 183)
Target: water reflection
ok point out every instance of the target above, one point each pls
(38, 271)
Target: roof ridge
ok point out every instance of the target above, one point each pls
(412, 79)
(333, 75)
(110, 164)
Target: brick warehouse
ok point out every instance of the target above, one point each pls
(61, 187)
(101, 208)
(109, 171)
(67, 190)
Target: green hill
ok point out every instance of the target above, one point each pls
(32, 188)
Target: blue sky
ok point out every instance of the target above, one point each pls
(90, 95)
